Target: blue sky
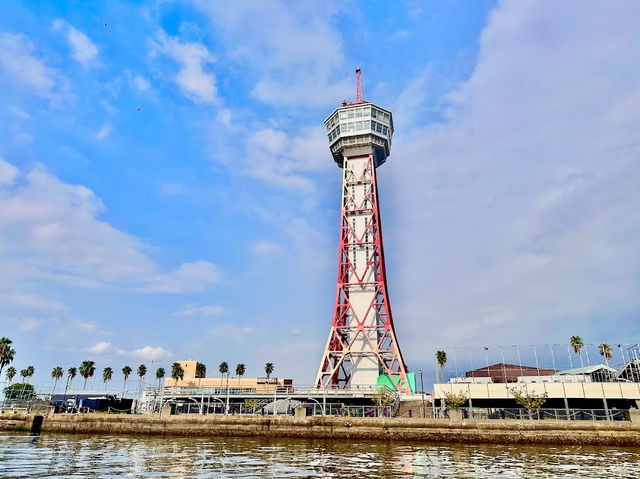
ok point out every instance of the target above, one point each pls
(166, 189)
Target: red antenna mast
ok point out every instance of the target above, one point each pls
(358, 87)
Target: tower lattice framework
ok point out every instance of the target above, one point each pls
(362, 344)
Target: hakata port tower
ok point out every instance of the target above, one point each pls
(362, 350)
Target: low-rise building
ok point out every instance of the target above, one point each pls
(507, 373)
(596, 373)
(191, 380)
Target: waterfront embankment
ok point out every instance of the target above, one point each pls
(495, 431)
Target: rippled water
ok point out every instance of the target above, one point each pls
(64, 456)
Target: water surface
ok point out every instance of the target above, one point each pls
(75, 456)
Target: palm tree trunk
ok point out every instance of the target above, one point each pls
(54, 387)
(124, 387)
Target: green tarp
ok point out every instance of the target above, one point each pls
(385, 380)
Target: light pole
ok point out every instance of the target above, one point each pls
(226, 409)
(424, 411)
(275, 396)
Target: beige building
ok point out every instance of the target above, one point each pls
(255, 384)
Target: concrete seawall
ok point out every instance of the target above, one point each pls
(424, 430)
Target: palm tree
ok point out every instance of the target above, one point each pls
(56, 374)
(240, 372)
(223, 369)
(125, 371)
(71, 373)
(6, 352)
(159, 375)
(87, 370)
(142, 371)
(25, 374)
(268, 369)
(576, 343)
(30, 371)
(441, 358)
(605, 350)
(177, 373)
(11, 373)
(107, 374)
(201, 370)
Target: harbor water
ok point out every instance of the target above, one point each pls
(76, 456)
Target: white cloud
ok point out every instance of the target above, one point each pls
(194, 80)
(400, 34)
(28, 324)
(286, 162)
(224, 117)
(23, 138)
(85, 326)
(173, 189)
(23, 115)
(24, 70)
(517, 217)
(204, 310)
(231, 331)
(98, 348)
(266, 248)
(188, 277)
(49, 230)
(103, 132)
(146, 353)
(84, 50)
(57, 333)
(30, 301)
(8, 172)
(293, 47)
(141, 83)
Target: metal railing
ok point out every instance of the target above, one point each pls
(581, 414)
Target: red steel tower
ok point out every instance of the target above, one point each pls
(362, 344)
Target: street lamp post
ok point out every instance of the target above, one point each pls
(226, 409)
(275, 396)
(424, 411)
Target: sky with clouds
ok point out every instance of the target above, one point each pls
(166, 188)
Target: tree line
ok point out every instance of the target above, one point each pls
(87, 369)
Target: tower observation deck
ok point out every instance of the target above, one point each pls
(361, 350)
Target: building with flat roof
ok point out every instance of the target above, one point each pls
(191, 380)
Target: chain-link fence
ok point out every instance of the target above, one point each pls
(622, 361)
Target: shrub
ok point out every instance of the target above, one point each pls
(455, 401)
(19, 391)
